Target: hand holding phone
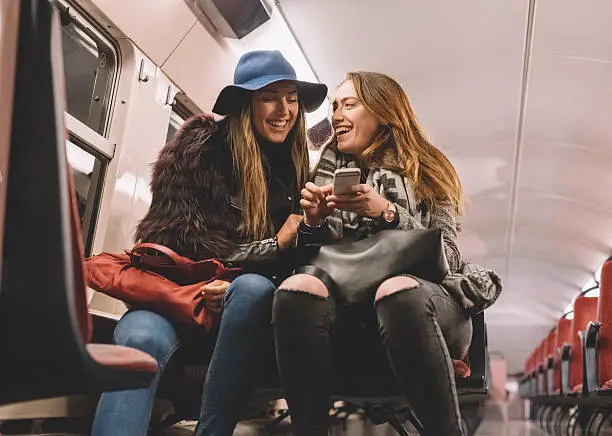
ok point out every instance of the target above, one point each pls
(345, 179)
(352, 196)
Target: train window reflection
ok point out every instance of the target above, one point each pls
(90, 71)
(592, 292)
(178, 116)
(598, 274)
(87, 173)
(591, 283)
(176, 121)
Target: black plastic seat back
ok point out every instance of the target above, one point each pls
(42, 335)
(9, 13)
(35, 260)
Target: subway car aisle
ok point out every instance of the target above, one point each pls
(509, 428)
(356, 427)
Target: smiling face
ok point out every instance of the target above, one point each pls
(355, 126)
(275, 110)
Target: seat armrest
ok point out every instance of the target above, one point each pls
(566, 351)
(540, 375)
(590, 370)
(550, 375)
(524, 386)
(478, 354)
(118, 356)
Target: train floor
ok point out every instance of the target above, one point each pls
(508, 428)
(493, 424)
(356, 427)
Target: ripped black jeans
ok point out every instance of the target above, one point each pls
(403, 344)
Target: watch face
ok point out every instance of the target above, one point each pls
(389, 215)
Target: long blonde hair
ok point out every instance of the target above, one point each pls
(401, 144)
(249, 170)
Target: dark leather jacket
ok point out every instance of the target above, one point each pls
(195, 209)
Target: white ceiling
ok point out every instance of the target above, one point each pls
(531, 136)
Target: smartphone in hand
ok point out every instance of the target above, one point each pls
(345, 178)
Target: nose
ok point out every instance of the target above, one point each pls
(337, 116)
(282, 107)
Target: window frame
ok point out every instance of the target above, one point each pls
(85, 134)
(179, 109)
(102, 113)
(93, 136)
(94, 195)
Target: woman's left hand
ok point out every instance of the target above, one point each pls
(213, 294)
(363, 200)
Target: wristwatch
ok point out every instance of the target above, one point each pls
(389, 214)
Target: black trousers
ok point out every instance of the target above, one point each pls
(402, 345)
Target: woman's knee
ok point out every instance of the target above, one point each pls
(305, 283)
(251, 290)
(148, 332)
(395, 284)
(301, 307)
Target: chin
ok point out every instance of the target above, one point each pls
(277, 138)
(346, 147)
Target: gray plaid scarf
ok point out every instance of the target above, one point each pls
(475, 287)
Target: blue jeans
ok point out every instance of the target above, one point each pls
(243, 340)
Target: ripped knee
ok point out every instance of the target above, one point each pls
(305, 283)
(393, 285)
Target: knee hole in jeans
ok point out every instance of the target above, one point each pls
(305, 283)
(394, 285)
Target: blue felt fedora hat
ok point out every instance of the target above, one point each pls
(257, 69)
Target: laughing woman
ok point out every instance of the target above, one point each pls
(413, 326)
(227, 190)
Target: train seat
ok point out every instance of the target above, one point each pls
(598, 338)
(44, 323)
(549, 361)
(562, 337)
(585, 310)
(376, 393)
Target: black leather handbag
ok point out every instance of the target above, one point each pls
(354, 269)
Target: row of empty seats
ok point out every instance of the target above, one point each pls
(568, 376)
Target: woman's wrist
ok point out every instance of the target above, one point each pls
(304, 227)
(313, 222)
(281, 245)
(383, 205)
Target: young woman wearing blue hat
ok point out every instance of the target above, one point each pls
(229, 190)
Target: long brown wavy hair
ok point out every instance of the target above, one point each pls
(401, 145)
(250, 172)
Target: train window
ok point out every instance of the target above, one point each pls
(176, 121)
(90, 69)
(88, 169)
(177, 117)
(598, 274)
(593, 292)
(590, 284)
